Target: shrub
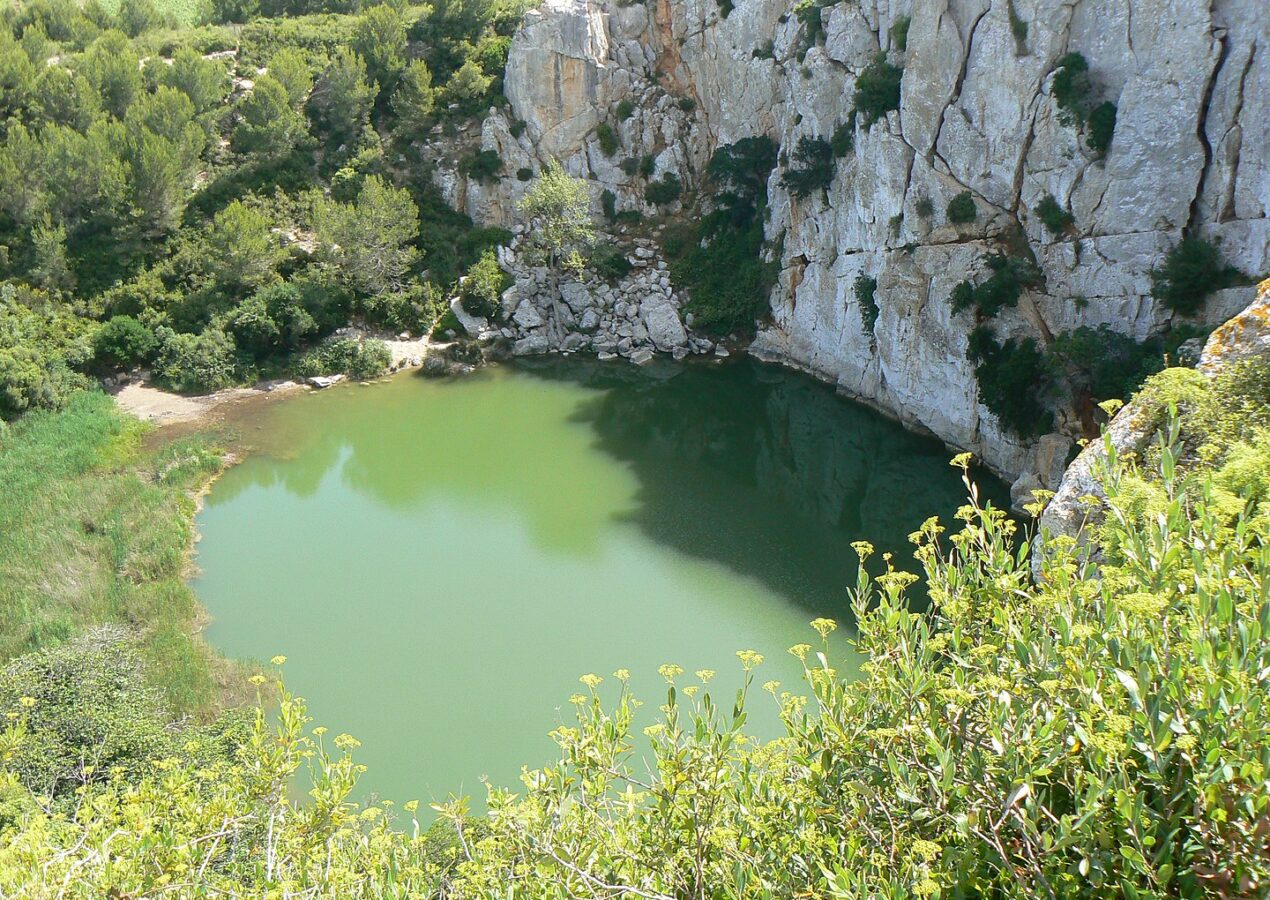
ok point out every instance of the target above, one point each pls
(517, 128)
(899, 32)
(1102, 126)
(1073, 91)
(625, 109)
(725, 8)
(1104, 364)
(843, 139)
(687, 104)
(809, 13)
(524, 174)
(647, 165)
(961, 209)
(1071, 88)
(607, 139)
(924, 207)
(667, 190)
(483, 165)
(192, 363)
(1002, 289)
(817, 166)
(1013, 378)
(361, 360)
(124, 342)
(1017, 26)
(610, 262)
(877, 90)
(866, 287)
(1053, 216)
(483, 287)
(413, 308)
(1191, 271)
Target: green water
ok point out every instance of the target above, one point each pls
(440, 561)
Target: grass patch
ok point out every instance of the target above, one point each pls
(94, 529)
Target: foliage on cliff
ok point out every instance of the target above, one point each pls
(1099, 731)
(719, 261)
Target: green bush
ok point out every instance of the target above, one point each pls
(195, 363)
(843, 139)
(482, 165)
(361, 360)
(1078, 105)
(924, 207)
(877, 90)
(962, 209)
(1191, 271)
(42, 345)
(625, 109)
(666, 190)
(647, 165)
(610, 262)
(1102, 126)
(1103, 364)
(899, 32)
(1014, 379)
(124, 342)
(816, 164)
(482, 289)
(1000, 290)
(1056, 219)
(866, 288)
(607, 139)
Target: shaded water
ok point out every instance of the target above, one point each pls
(440, 561)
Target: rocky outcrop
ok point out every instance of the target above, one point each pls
(1077, 501)
(633, 317)
(677, 78)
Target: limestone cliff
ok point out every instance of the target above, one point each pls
(1190, 78)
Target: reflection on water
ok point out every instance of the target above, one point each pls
(441, 561)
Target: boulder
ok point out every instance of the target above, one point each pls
(660, 317)
(534, 345)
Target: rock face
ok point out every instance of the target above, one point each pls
(1190, 79)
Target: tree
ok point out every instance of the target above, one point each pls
(467, 87)
(380, 39)
(113, 69)
(17, 79)
(124, 342)
(204, 81)
(138, 16)
(195, 362)
(343, 97)
(371, 240)
(63, 97)
(49, 268)
(241, 249)
(291, 69)
(557, 207)
(414, 100)
(270, 126)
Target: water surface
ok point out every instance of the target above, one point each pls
(441, 561)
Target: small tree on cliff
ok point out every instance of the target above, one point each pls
(557, 208)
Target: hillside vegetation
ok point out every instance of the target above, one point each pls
(94, 529)
(213, 202)
(1100, 730)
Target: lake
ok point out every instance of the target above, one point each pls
(441, 560)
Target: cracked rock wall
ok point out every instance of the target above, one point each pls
(1190, 78)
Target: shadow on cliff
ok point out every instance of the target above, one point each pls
(766, 471)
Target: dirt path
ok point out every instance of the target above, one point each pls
(150, 404)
